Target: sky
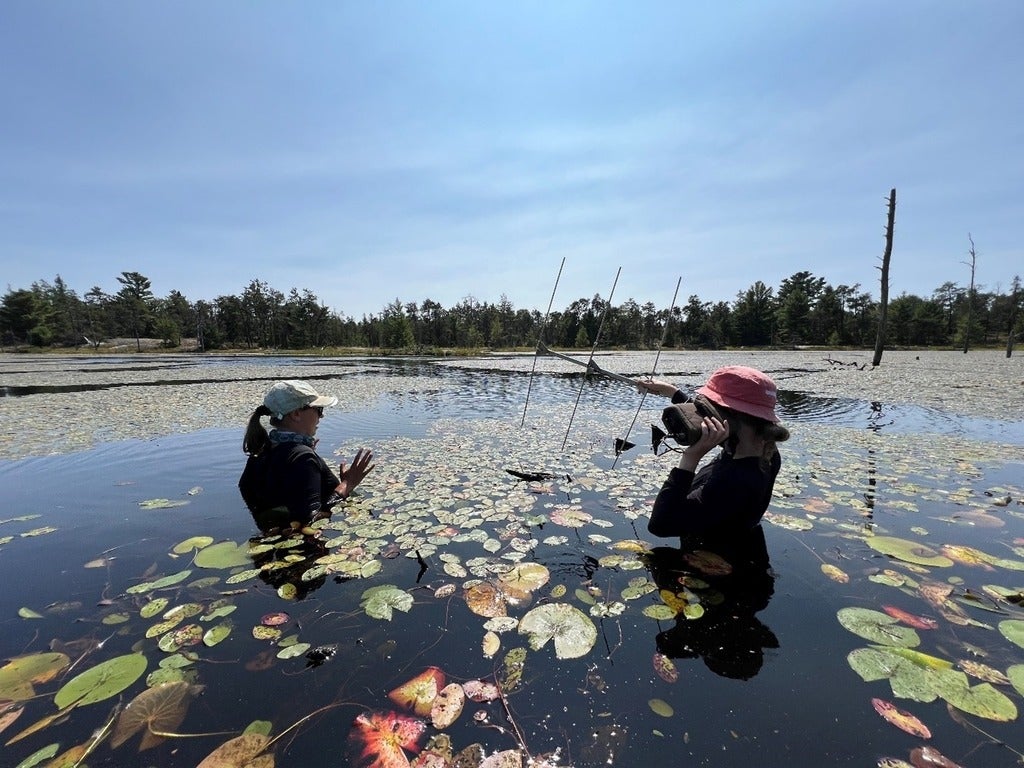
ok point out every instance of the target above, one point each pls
(448, 151)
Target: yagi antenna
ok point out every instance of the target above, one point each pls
(591, 365)
(540, 340)
(623, 444)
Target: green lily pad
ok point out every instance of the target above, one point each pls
(980, 700)
(907, 679)
(223, 554)
(1016, 675)
(292, 651)
(18, 674)
(196, 542)
(153, 607)
(877, 627)
(908, 551)
(216, 634)
(101, 682)
(661, 612)
(660, 707)
(379, 602)
(161, 503)
(37, 757)
(166, 581)
(573, 632)
(238, 578)
(1013, 630)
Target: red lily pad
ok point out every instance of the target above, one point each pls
(901, 719)
(910, 619)
(665, 667)
(385, 737)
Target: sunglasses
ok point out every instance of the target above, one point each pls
(318, 408)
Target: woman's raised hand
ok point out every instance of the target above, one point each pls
(713, 432)
(353, 475)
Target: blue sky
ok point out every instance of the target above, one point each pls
(429, 149)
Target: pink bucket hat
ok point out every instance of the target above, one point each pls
(743, 389)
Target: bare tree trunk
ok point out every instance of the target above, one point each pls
(1012, 322)
(883, 305)
(970, 296)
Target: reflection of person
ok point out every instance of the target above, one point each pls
(728, 636)
(285, 482)
(728, 495)
(280, 565)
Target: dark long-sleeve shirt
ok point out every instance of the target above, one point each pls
(289, 481)
(726, 497)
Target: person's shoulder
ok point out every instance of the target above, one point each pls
(298, 451)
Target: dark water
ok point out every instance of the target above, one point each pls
(765, 683)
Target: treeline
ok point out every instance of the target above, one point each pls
(803, 309)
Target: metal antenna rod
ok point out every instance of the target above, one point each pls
(597, 338)
(654, 370)
(540, 340)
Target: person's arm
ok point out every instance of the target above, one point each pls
(659, 387)
(676, 510)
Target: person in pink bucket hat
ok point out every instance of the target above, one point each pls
(728, 495)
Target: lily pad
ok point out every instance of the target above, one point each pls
(661, 612)
(980, 700)
(293, 651)
(381, 601)
(223, 554)
(906, 679)
(573, 632)
(101, 682)
(384, 736)
(218, 633)
(660, 707)
(159, 709)
(237, 752)
(1016, 677)
(418, 694)
(18, 674)
(162, 503)
(1013, 630)
(447, 706)
(908, 551)
(877, 627)
(528, 577)
(196, 542)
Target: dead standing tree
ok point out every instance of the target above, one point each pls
(1012, 320)
(970, 295)
(883, 305)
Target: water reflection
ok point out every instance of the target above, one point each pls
(729, 637)
(892, 418)
(282, 562)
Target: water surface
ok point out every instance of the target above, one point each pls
(763, 677)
